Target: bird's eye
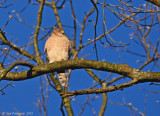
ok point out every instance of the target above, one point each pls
(62, 31)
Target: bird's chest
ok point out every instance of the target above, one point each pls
(58, 46)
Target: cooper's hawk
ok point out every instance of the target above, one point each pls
(57, 48)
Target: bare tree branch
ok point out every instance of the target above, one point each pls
(39, 20)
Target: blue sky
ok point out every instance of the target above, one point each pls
(24, 96)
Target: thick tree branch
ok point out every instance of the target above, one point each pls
(122, 69)
(3, 72)
(155, 2)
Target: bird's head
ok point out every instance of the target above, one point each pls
(58, 31)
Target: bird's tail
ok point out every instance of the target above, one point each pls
(62, 78)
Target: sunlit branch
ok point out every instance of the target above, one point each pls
(56, 14)
(111, 30)
(46, 3)
(83, 25)
(4, 72)
(122, 69)
(15, 47)
(101, 90)
(104, 104)
(39, 20)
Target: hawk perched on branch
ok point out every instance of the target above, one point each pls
(57, 48)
